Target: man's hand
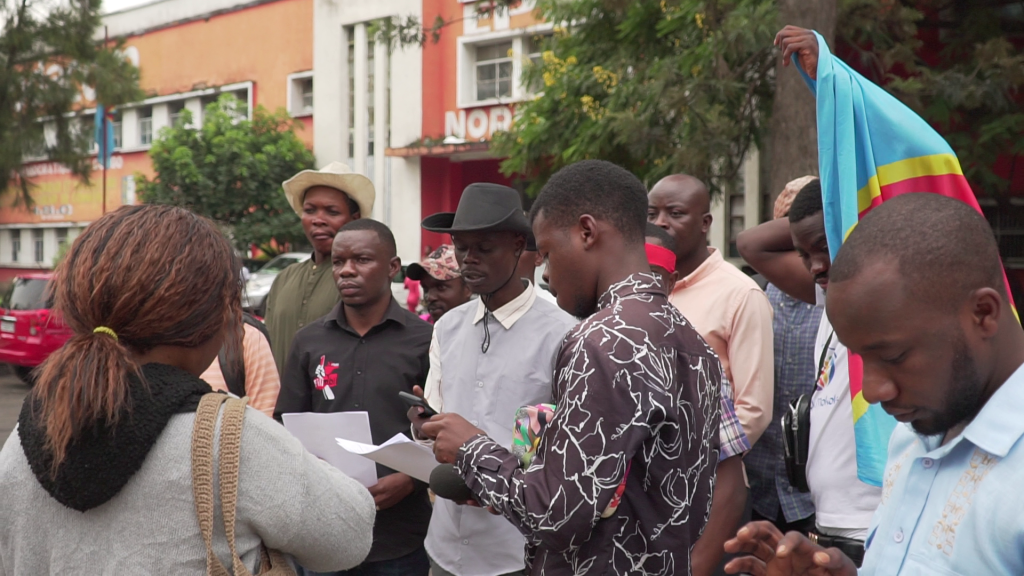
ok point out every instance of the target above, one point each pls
(803, 43)
(449, 432)
(414, 414)
(391, 490)
(776, 555)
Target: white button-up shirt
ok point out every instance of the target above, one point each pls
(487, 389)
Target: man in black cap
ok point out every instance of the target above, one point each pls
(488, 358)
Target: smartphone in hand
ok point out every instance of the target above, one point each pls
(413, 400)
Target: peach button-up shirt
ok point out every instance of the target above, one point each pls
(734, 316)
(262, 383)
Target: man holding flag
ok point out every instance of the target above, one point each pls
(933, 338)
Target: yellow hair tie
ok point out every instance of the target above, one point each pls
(105, 330)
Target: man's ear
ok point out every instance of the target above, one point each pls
(588, 231)
(394, 267)
(706, 223)
(986, 309)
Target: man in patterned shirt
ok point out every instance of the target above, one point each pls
(638, 396)
(730, 484)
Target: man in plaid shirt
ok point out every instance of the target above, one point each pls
(795, 327)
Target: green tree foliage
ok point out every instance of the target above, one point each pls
(970, 89)
(48, 53)
(657, 86)
(230, 170)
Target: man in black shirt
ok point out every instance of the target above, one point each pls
(357, 358)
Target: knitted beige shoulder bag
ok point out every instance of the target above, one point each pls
(272, 562)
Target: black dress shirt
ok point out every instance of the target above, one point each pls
(331, 368)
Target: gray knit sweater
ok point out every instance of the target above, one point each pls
(286, 497)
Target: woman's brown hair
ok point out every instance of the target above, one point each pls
(154, 275)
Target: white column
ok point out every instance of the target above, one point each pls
(129, 128)
(161, 119)
(195, 106)
(362, 129)
(382, 208)
(344, 98)
(720, 223)
(751, 189)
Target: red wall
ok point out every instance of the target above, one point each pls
(441, 184)
(441, 180)
(439, 67)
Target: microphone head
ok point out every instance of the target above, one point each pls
(447, 483)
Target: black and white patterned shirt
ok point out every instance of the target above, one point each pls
(638, 392)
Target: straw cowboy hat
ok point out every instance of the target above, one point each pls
(483, 207)
(335, 175)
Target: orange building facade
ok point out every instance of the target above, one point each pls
(188, 52)
(472, 81)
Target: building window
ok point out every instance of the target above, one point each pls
(307, 94)
(15, 244)
(37, 238)
(533, 47)
(300, 94)
(87, 128)
(242, 111)
(174, 111)
(62, 237)
(494, 71)
(146, 126)
(116, 125)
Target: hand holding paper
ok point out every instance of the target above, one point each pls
(316, 432)
(399, 453)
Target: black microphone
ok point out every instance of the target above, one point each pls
(447, 483)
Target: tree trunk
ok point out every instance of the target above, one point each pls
(793, 144)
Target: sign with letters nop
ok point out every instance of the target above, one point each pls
(477, 124)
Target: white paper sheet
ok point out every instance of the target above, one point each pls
(399, 453)
(318, 431)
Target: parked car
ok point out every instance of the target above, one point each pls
(254, 299)
(29, 331)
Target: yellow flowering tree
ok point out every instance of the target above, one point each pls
(658, 86)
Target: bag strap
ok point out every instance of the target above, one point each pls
(230, 443)
(202, 474)
(824, 353)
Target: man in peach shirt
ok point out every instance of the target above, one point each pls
(262, 383)
(733, 315)
(726, 306)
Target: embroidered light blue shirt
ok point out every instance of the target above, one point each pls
(954, 509)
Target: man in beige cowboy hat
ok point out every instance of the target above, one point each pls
(325, 200)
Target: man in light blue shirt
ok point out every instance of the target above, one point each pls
(918, 292)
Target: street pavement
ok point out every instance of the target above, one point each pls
(12, 392)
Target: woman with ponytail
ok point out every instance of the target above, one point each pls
(96, 478)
